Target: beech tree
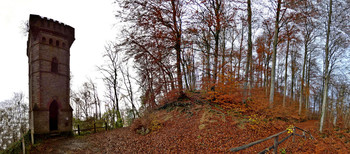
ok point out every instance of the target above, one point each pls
(211, 15)
(289, 36)
(155, 31)
(249, 54)
(173, 49)
(309, 34)
(337, 40)
(267, 55)
(275, 42)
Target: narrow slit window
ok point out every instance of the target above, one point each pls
(54, 65)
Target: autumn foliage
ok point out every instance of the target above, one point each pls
(201, 124)
(206, 86)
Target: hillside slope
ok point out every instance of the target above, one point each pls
(194, 125)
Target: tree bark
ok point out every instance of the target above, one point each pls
(293, 56)
(286, 70)
(249, 54)
(302, 76)
(177, 48)
(307, 101)
(326, 73)
(223, 58)
(240, 53)
(275, 42)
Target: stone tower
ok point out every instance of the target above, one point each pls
(48, 51)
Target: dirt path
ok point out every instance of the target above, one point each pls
(60, 145)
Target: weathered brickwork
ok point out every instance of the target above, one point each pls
(48, 51)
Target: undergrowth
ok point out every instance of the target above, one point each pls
(16, 147)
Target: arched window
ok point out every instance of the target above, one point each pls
(57, 43)
(54, 65)
(43, 40)
(50, 41)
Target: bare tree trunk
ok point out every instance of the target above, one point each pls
(307, 101)
(326, 73)
(293, 56)
(302, 78)
(223, 60)
(267, 75)
(177, 47)
(249, 54)
(207, 56)
(193, 72)
(251, 72)
(285, 71)
(217, 11)
(185, 72)
(231, 59)
(240, 53)
(275, 42)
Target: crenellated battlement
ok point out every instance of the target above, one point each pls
(38, 23)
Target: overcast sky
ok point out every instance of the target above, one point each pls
(94, 25)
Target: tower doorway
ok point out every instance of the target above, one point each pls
(53, 116)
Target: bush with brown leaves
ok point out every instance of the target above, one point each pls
(141, 125)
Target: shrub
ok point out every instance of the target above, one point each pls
(145, 125)
(140, 125)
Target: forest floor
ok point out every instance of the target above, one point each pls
(189, 127)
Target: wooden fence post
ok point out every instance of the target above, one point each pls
(94, 127)
(106, 125)
(78, 130)
(23, 145)
(275, 145)
(293, 134)
(304, 135)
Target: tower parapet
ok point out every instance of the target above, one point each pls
(47, 25)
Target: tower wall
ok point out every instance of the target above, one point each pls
(48, 51)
